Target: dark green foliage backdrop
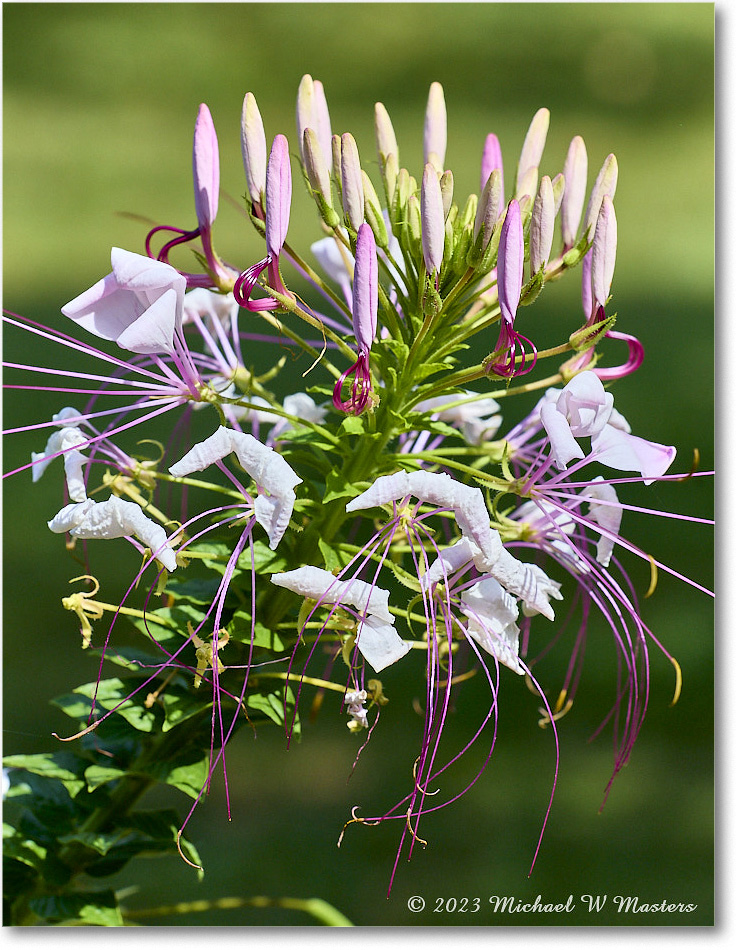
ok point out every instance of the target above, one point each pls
(99, 105)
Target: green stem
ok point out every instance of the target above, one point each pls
(322, 911)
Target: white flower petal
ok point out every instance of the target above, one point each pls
(114, 518)
(380, 644)
(111, 305)
(324, 587)
(628, 453)
(153, 331)
(492, 613)
(608, 516)
(564, 447)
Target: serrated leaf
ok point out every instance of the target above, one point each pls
(405, 578)
(91, 908)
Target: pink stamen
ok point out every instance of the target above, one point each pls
(360, 390)
(515, 358)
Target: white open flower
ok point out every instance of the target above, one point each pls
(139, 304)
(269, 470)
(376, 638)
(480, 542)
(114, 518)
(65, 441)
(492, 613)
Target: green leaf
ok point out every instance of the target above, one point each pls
(97, 775)
(22, 849)
(93, 841)
(272, 706)
(181, 704)
(188, 771)
(110, 694)
(195, 590)
(65, 766)
(337, 486)
(89, 908)
(353, 425)
(239, 629)
(145, 832)
(398, 349)
(266, 561)
(331, 557)
(18, 878)
(405, 578)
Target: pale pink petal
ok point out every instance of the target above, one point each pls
(629, 453)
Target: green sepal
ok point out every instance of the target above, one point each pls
(533, 288)
(587, 337)
(574, 255)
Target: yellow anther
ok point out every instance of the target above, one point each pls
(84, 607)
(654, 576)
(693, 469)
(375, 693)
(416, 837)
(561, 708)
(423, 791)
(678, 684)
(207, 653)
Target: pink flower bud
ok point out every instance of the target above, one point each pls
(322, 120)
(205, 168)
(587, 305)
(510, 262)
(312, 113)
(605, 184)
(488, 209)
(434, 131)
(385, 135)
(432, 219)
(542, 226)
(603, 252)
(253, 149)
(365, 294)
(535, 142)
(575, 176)
(278, 196)
(491, 160)
(352, 188)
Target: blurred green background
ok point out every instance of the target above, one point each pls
(99, 106)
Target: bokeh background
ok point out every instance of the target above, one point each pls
(99, 106)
